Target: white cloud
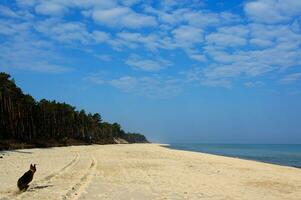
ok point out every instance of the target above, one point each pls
(264, 11)
(166, 17)
(226, 40)
(64, 31)
(110, 17)
(10, 28)
(135, 20)
(111, 13)
(235, 70)
(135, 39)
(253, 62)
(290, 78)
(71, 32)
(238, 30)
(274, 48)
(26, 3)
(130, 2)
(104, 57)
(29, 54)
(96, 77)
(125, 83)
(232, 36)
(216, 83)
(192, 75)
(228, 46)
(296, 26)
(201, 77)
(148, 86)
(201, 19)
(261, 42)
(23, 50)
(152, 86)
(120, 17)
(45, 67)
(7, 12)
(223, 75)
(272, 11)
(187, 36)
(197, 57)
(147, 64)
(50, 8)
(100, 36)
(68, 4)
(252, 84)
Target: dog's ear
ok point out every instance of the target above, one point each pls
(31, 166)
(34, 166)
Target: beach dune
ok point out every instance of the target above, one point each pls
(143, 171)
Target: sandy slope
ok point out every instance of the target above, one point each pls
(143, 171)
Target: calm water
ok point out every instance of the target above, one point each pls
(282, 154)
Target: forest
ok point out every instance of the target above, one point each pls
(27, 123)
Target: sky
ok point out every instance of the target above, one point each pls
(178, 71)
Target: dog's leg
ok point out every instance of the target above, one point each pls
(26, 187)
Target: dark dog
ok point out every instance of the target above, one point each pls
(26, 178)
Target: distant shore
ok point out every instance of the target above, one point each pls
(143, 171)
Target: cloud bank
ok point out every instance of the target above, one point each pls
(240, 47)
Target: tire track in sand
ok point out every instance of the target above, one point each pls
(64, 169)
(77, 190)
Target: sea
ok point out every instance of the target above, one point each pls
(281, 154)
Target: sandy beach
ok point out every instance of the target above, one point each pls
(143, 171)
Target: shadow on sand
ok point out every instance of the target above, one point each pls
(38, 187)
(18, 151)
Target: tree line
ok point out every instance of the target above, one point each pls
(51, 123)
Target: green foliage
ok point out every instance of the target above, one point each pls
(25, 120)
(135, 138)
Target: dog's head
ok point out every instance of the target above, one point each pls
(33, 168)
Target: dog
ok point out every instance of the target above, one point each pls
(26, 178)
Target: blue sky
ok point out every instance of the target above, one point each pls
(177, 71)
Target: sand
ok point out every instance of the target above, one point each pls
(143, 171)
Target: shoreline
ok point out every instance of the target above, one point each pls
(279, 163)
(232, 157)
(144, 171)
